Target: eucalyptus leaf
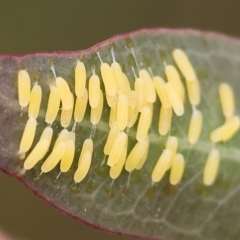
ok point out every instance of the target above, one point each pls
(131, 205)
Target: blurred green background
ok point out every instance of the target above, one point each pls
(54, 25)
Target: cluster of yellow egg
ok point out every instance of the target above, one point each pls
(126, 107)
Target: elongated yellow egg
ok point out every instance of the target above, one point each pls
(177, 169)
(126, 88)
(114, 131)
(165, 120)
(24, 88)
(194, 92)
(80, 79)
(117, 148)
(112, 100)
(140, 89)
(66, 115)
(226, 131)
(62, 137)
(136, 155)
(117, 71)
(116, 170)
(122, 81)
(68, 156)
(159, 84)
(87, 146)
(227, 100)
(184, 64)
(172, 145)
(35, 101)
(122, 112)
(80, 106)
(132, 110)
(94, 91)
(143, 159)
(174, 78)
(64, 93)
(195, 127)
(211, 167)
(40, 149)
(108, 79)
(28, 135)
(96, 113)
(84, 161)
(112, 117)
(174, 99)
(143, 124)
(54, 158)
(33, 158)
(161, 165)
(46, 135)
(150, 90)
(53, 105)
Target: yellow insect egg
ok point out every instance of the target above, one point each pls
(143, 124)
(194, 94)
(108, 79)
(122, 112)
(80, 106)
(226, 131)
(114, 131)
(33, 158)
(143, 159)
(40, 149)
(195, 127)
(184, 64)
(46, 135)
(24, 88)
(54, 158)
(135, 155)
(116, 170)
(94, 91)
(174, 78)
(116, 68)
(96, 113)
(174, 99)
(117, 148)
(64, 93)
(35, 101)
(66, 116)
(28, 135)
(161, 165)
(84, 161)
(211, 167)
(159, 84)
(80, 79)
(165, 120)
(150, 90)
(125, 87)
(139, 87)
(62, 137)
(112, 116)
(53, 105)
(177, 169)
(172, 145)
(112, 100)
(68, 156)
(227, 100)
(87, 146)
(150, 106)
(133, 110)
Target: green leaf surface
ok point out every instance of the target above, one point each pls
(131, 204)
